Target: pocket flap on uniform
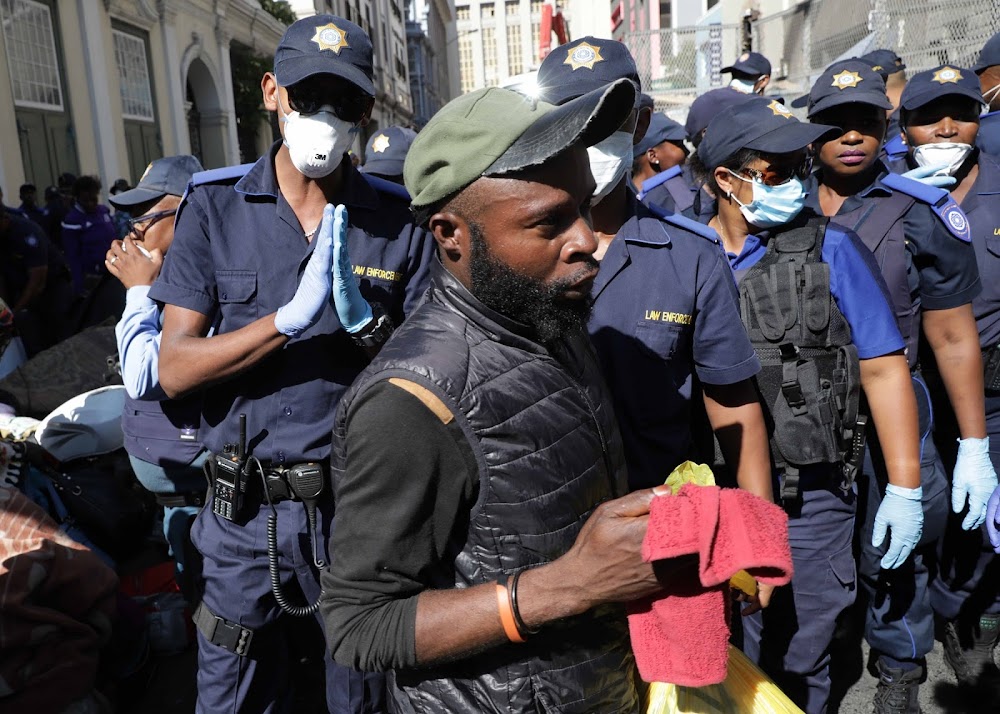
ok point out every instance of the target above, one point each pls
(236, 285)
(843, 566)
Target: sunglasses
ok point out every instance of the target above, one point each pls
(309, 98)
(141, 224)
(770, 177)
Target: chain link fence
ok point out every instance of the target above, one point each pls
(803, 40)
(676, 65)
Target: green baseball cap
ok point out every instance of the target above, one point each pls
(496, 131)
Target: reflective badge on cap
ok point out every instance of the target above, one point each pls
(779, 109)
(330, 37)
(955, 220)
(380, 144)
(744, 57)
(946, 75)
(845, 79)
(584, 55)
(145, 173)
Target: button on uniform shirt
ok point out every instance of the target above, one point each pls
(855, 283)
(665, 313)
(86, 238)
(239, 254)
(941, 267)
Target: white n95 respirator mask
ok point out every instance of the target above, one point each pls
(317, 142)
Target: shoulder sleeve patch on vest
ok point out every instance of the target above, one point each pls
(429, 399)
(938, 199)
(676, 219)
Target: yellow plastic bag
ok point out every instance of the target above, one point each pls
(746, 690)
(701, 475)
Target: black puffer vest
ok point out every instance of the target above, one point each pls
(542, 427)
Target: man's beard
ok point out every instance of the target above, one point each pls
(542, 307)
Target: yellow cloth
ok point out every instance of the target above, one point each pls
(746, 690)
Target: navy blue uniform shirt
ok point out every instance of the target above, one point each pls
(988, 138)
(25, 246)
(665, 311)
(239, 251)
(982, 207)
(676, 191)
(943, 267)
(855, 283)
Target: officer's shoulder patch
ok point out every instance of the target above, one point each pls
(660, 178)
(895, 148)
(226, 173)
(681, 221)
(383, 186)
(939, 200)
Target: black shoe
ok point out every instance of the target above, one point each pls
(969, 650)
(897, 690)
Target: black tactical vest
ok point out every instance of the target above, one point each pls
(542, 427)
(810, 373)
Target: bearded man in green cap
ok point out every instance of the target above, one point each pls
(482, 440)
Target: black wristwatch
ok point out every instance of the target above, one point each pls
(376, 332)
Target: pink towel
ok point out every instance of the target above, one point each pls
(681, 635)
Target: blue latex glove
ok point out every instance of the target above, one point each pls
(902, 511)
(925, 174)
(306, 306)
(974, 478)
(352, 309)
(992, 525)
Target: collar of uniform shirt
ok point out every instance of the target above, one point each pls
(261, 180)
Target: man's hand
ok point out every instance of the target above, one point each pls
(353, 310)
(313, 293)
(605, 563)
(131, 265)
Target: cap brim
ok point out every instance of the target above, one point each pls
(135, 197)
(384, 168)
(918, 100)
(800, 102)
(791, 137)
(875, 99)
(294, 69)
(583, 121)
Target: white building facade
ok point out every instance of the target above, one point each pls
(431, 39)
(106, 86)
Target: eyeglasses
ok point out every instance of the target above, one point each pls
(150, 219)
(309, 98)
(770, 177)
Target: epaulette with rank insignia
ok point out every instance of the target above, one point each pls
(383, 186)
(660, 178)
(940, 201)
(895, 148)
(676, 219)
(226, 173)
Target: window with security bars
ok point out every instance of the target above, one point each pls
(536, 36)
(490, 56)
(462, 13)
(515, 60)
(536, 7)
(31, 54)
(133, 76)
(512, 8)
(466, 66)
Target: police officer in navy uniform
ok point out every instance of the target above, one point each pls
(988, 69)
(891, 69)
(930, 268)
(661, 150)
(751, 73)
(386, 151)
(941, 120)
(815, 309)
(678, 338)
(262, 250)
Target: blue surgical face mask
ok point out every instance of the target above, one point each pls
(772, 205)
(746, 86)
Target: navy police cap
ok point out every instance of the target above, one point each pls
(661, 128)
(386, 151)
(762, 124)
(581, 66)
(753, 63)
(847, 82)
(885, 62)
(989, 55)
(924, 87)
(325, 44)
(707, 105)
(169, 175)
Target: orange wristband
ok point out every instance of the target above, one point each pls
(507, 613)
